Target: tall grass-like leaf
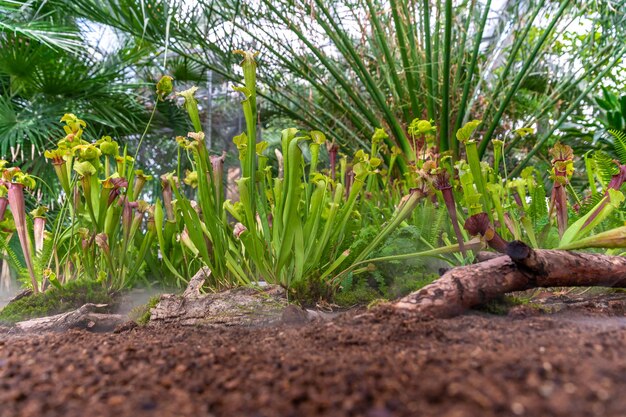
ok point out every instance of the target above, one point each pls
(159, 218)
(521, 75)
(401, 37)
(539, 144)
(342, 84)
(467, 85)
(389, 58)
(445, 142)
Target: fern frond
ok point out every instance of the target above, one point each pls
(422, 221)
(538, 208)
(619, 144)
(41, 261)
(438, 226)
(9, 255)
(605, 167)
(590, 203)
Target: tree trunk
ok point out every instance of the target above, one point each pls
(524, 268)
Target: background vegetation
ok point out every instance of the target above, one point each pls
(390, 84)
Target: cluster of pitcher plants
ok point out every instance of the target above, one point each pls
(300, 206)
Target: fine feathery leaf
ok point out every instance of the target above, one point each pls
(605, 166)
(619, 144)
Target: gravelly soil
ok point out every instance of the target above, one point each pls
(373, 364)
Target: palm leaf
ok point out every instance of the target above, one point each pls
(19, 18)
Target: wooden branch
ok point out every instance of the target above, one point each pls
(196, 283)
(524, 268)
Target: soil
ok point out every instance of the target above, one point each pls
(375, 363)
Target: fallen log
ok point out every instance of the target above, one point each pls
(242, 306)
(87, 317)
(524, 268)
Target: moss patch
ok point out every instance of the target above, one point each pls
(357, 296)
(141, 314)
(55, 301)
(363, 291)
(501, 305)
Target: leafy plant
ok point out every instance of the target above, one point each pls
(613, 108)
(385, 63)
(97, 234)
(289, 228)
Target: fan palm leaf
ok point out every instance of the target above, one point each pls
(17, 17)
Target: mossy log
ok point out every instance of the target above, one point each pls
(522, 268)
(243, 306)
(86, 317)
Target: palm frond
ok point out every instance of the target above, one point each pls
(19, 18)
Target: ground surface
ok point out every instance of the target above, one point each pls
(571, 363)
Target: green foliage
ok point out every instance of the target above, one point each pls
(56, 300)
(619, 144)
(605, 166)
(394, 278)
(141, 314)
(613, 108)
(502, 305)
(290, 229)
(54, 62)
(357, 295)
(55, 83)
(21, 18)
(358, 65)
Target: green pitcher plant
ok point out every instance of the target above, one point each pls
(101, 230)
(291, 226)
(298, 223)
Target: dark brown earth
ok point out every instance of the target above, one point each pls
(374, 364)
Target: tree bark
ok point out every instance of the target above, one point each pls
(242, 306)
(524, 268)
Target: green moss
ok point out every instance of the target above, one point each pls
(359, 296)
(141, 314)
(501, 305)
(55, 301)
(364, 289)
(308, 293)
(409, 283)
